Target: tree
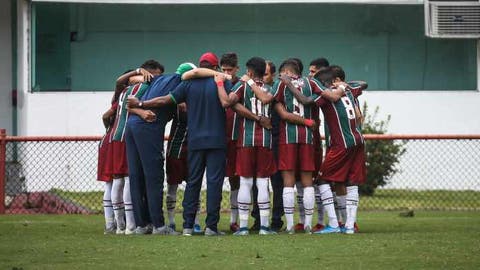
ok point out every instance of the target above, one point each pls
(382, 155)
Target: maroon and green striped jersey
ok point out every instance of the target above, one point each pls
(118, 128)
(289, 132)
(177, 140)
(250, 132)
(341, 128)
(232, 119)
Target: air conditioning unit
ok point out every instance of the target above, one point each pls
(452, 19)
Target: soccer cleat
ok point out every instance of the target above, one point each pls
(355, 227)
(120, 231)
(187, 232)
(290, 231)
(165, 230)
(308, 230)
(143, 230)
(328, 230)
(172, 226)
(349, 230)
(210, 232)
(299, 227)
(197, 229)
(266, 231)
(242, 232)
(234, 227)
(318, 227)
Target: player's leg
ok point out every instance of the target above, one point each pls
(234, 191)
(300, 226)
(127, 200)
(357, 176)
(340, 202)
(287, 164)
(307, 166)
(264, 167)
(245, 162)
(117, 203)
(176, 169)
(107, 209)
(320, 211)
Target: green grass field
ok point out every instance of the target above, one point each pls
(429, 240)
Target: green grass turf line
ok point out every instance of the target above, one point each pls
(430, 240)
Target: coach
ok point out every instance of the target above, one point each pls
(206, 145)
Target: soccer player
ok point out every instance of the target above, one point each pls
(295, 143)
(229, 65)
(121, 184)
(345, 158)
(254, 154)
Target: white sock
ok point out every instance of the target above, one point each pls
(233, 206)
(244, 200)
(327, 200)
(127, 200)
(318, 200)
(107, 205)
(309, 204)
(289, 205)
(263, 200)
(301, 208)
(341, 208)
(352, 206)
(117, 202)
(171, 202)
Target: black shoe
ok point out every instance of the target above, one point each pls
(255, 227)
(276, 225)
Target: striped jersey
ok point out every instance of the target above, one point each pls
(250, 132)
(289, 132)
(177, 140)
(341, 128)
(118, 128)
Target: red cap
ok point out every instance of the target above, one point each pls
(210, 58)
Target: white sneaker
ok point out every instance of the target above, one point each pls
(129, 232)
(120, 231)
(241, 232)
(266, 231)
(111, 229)
(349, 231)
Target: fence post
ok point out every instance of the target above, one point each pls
(3, 152)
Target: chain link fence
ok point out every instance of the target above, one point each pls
(58, 175)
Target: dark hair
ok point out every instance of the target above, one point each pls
(325, 76)
(292, 64)
(272, 66)
(229, 59)
(257, 65)
(320, 62)
(337, 72)
(299, 63)
(206, 64)
(153, 65)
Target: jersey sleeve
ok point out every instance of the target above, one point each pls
(278, 91)
(319, 101)
(179, 94)
(239, 90)
(357, 87)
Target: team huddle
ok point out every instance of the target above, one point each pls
(257, 130)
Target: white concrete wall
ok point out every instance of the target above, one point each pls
(412, 112)
(5, 66)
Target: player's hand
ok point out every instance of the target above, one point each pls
(227, 76)
(219, 77)
(132, 102)
(148, 116)
(284, 78)
(245, 78)
(265, 122)
(314, 127)
(147, 76)
(182, 107)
